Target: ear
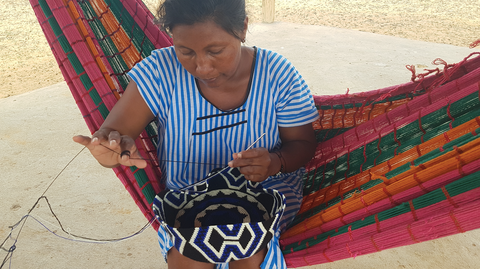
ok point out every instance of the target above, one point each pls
(245, 28)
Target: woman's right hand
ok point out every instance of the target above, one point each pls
(111, 149)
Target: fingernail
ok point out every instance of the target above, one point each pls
(230, 164)
(94, 139)
(113, 142)
(239, 155)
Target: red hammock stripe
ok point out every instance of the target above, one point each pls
(348, 122)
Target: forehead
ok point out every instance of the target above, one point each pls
(200, 33)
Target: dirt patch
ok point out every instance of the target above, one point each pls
(27, 63)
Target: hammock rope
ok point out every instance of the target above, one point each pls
(393, 166)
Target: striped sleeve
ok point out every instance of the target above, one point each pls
(295, 105)
(155, 79)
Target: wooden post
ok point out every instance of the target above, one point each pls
(268, 10)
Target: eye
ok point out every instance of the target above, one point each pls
(188, 53)
(216, 52)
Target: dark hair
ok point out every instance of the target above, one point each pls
(228, 14)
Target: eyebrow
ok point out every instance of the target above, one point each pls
(207, 47)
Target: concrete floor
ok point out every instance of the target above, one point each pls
(35, 138)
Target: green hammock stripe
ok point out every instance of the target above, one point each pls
(151, 130)
(140, 175)
(120, 67)
(324, 135)
(144, 183)
(455, 188)
(317, 209)
(386, 100)
(404, 168)
(131, 28)
(380, 150)
(409, 136)
(108, 47)
(72, 57)
(111, 51)
(434, 154)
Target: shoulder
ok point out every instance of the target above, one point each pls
(162, 64)
(272, 57)
(164, 52)
(156, 77)
(277, 68)
(163, 58)
(274, 61)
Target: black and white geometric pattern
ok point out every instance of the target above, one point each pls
(222, 218)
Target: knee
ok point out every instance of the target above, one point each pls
(249, 263)
(176, 260)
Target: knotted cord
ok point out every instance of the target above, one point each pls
(127, 152)
(21, 223)
(23, 220)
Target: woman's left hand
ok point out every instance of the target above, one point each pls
(255, 164)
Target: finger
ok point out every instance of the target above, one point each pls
(126, 143)
(114, 138)
(140, 163)
(129, 154)
(239, 162)
(82, 140)
(252, 153)
(254, 178)
(243, 162)
(99, 137)
(251, 170)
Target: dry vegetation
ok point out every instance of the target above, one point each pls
(26, 62)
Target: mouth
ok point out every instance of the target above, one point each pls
(208, 79)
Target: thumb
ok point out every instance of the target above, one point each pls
(133, 158)
(138, 161)
(82, 140)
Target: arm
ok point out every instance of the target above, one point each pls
(298, 147)
(117, 134)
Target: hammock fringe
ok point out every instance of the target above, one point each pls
(393, 166)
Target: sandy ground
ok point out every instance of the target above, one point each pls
(35, 142)
(26, 62)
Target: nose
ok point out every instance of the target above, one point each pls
(204, 66)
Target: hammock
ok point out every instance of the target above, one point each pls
(393, 167)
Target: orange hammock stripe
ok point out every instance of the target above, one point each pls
(72, 10)
(416, 175)
(351, 117)
(121, 40)
(340, 188)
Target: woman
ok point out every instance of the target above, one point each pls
(212, 98)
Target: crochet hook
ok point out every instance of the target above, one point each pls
(255, 142)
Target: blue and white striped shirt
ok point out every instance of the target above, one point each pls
(195, 136)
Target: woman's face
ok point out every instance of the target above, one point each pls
(208, 52)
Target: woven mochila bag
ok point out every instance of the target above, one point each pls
(221, 218)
